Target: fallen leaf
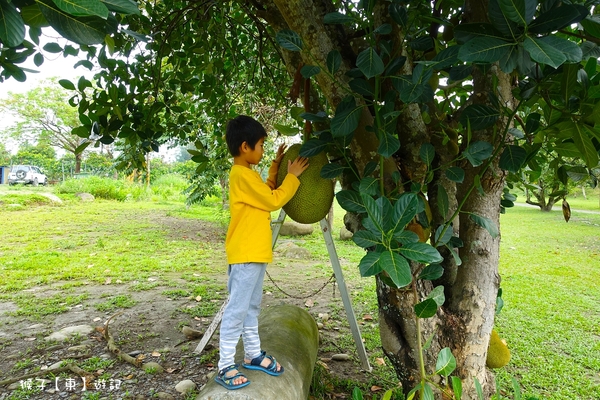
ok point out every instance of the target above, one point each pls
(376, 388)
(141, 357)
(29, 339)
(198, 298)
(198, 318)
(380, 361)
(155, 354)
(309, 303)
(367, 317)
(171, 370)
(107, 281)
(97, 319)
(128, 377)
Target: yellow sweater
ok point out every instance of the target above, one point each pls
(250, 203)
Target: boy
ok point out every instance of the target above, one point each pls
(248, 246)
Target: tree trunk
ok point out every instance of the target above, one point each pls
(77, 163)
(465, 322)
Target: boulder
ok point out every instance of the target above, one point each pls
(291, 228)
(345, 234)
(288, 333)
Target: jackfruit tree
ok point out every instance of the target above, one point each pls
(512, 78)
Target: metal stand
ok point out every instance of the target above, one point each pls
(339, 277)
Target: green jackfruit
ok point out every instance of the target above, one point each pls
(314, 197)
(498, 354)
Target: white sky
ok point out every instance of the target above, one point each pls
(55, 65)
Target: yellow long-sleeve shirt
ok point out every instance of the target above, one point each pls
(250, 203)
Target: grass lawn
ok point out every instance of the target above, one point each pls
(550, 272)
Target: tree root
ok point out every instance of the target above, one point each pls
(112, 346)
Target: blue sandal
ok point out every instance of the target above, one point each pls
(227, 381)
(271, 369)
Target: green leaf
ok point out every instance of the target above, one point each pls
(512, 158)
(374, 211)
(457, 387)
(486, 223)
(398, 14)
(362, 87)
(507, 27)
(286, 130)
(334, 61)
(432, 272)
(465, 32)
(478, 389)
(308, 71)
(519, 11)
(443, 201)
(384, 29)
(388, 145)
(81, 30)
(38, 59)
(554, 19)
(455, 174)
(426, 309)
(67, 84)
(289, 40)
(369, 63)
(405, 210)
(83, 8)
(439, 241)
(477, 152)
(369, 185)
(427, 153)
(446, 363)
(570, 130)
(52, 48)
(397, 268)
(337, 18)
(484, 50)
(318, 117)
(122, 6)
(543, 53)
(404, 237)
(369, 265)
(446, 58)
(331, 171)
(365, 239)
(351, 201)
(82, 147)
(32, 16)
(12, 27)
(570, 49)
(479, 116)
(346, 117)
(421, 252)
(437, 295)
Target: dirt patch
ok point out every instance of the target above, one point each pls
(149, 326)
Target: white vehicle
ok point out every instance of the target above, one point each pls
(26, 174)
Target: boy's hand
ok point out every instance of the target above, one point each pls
(280, 152)
(298, 166)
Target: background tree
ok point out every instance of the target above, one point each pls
(5, 156)
(44, 114)
(393, 132)
(41, 155)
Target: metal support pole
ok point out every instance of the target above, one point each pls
(339, 277)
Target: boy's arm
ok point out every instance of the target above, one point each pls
(257, 194)
(272, 179)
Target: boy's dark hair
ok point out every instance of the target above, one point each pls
(243, 129)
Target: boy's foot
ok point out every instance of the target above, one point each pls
(231, 378)
(264, 363)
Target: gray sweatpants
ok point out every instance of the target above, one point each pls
(240, 318)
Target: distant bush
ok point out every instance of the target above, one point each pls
(167, 187)
(104, 188)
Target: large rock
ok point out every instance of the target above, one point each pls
(292, 228)
(290, 334)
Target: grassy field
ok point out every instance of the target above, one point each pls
(550, 272)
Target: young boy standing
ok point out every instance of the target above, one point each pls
(248, 246)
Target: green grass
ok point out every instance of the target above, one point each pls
(550, 271)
